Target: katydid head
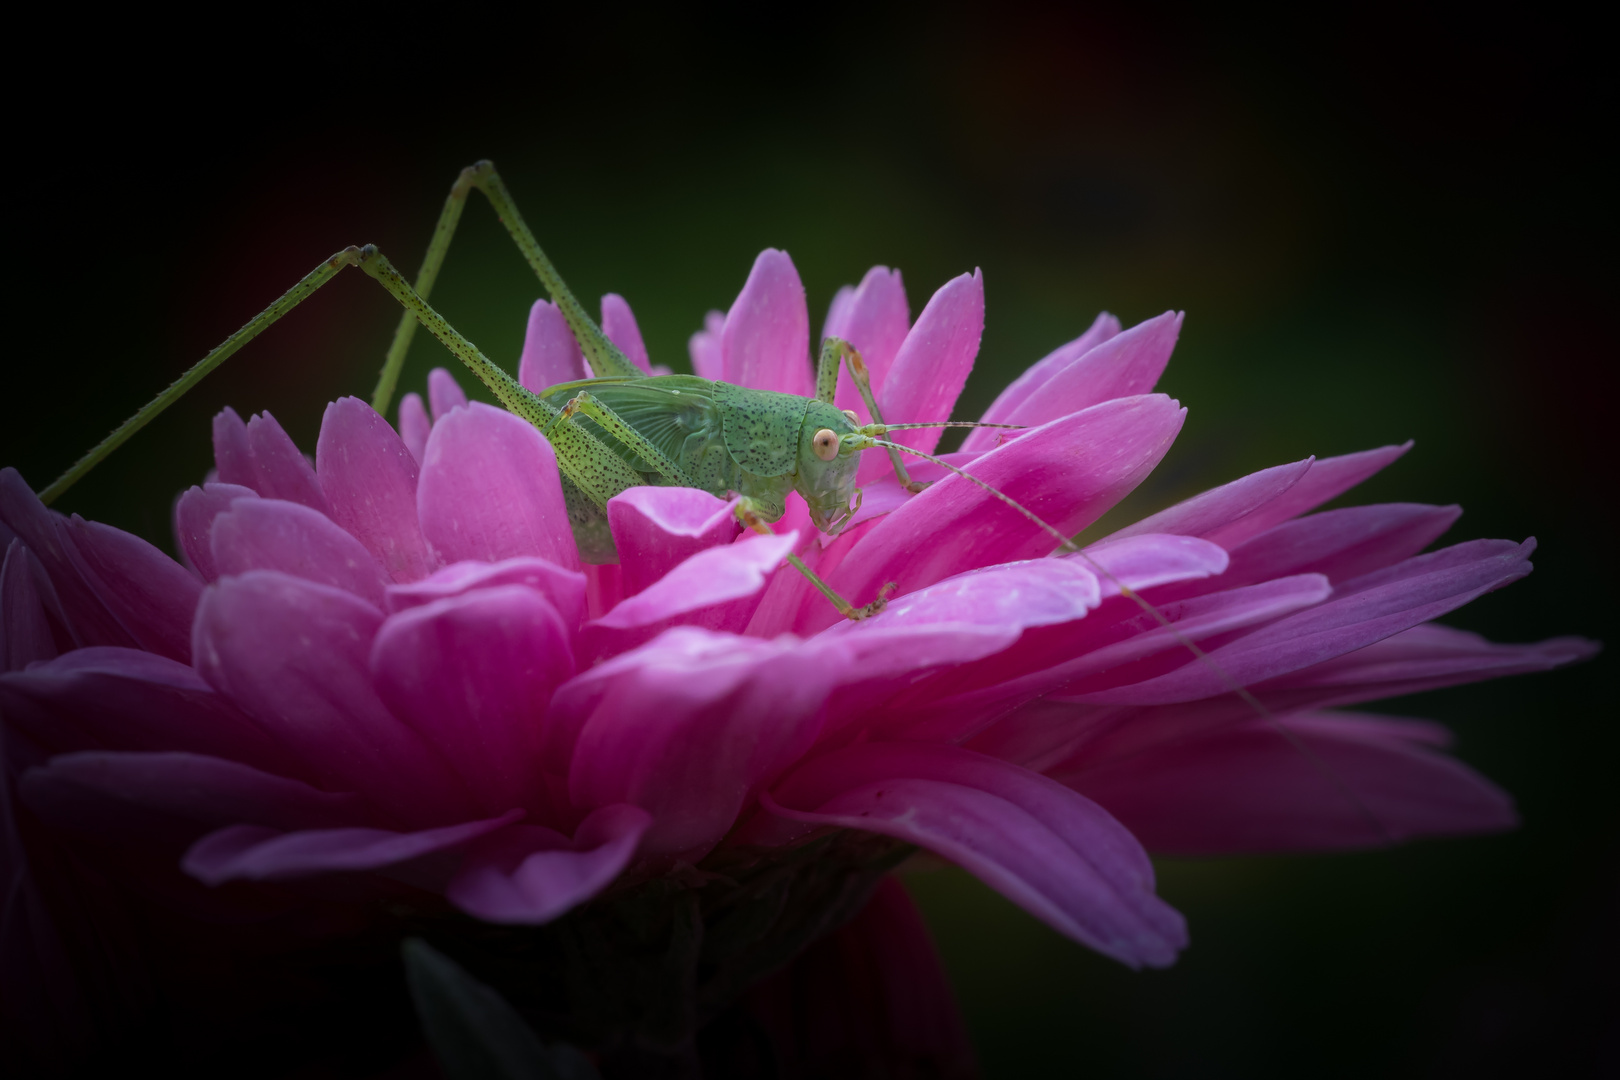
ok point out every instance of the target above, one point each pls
(827, 465)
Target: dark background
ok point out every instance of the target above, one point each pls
(1384, 226)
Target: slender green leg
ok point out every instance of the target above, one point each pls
(863, 383)
(827, 369)
(746, 515)
(177, 389)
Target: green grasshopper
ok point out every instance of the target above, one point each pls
(621, 429)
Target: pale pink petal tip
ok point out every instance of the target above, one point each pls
(444, 393)
(550, 353)
(619, 324)
(766, 340)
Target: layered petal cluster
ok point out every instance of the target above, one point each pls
(388, 664)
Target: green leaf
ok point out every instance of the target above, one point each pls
(474, 1033)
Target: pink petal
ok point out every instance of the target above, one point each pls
(710, 577)
(619, 324)
(1035, 377)
(1368, 782)
(1125, 365)
(528, 875)
(490, 491)
(370, 478)
(874, 318)
(194, 518)
(294, 656)
(252, 853)
(708, 361)
(175, 797)
(1215, 509)
(1327, 479)
(766, 340)
(25, 629)
(269, 534)
(127, 699)
(473, 675)
(1050, 851)
(1036, 592)
(444, 393)
(686, 728)
(150, 594)
(232, 458)
(1069, 472)
(564, 589)
(282, 472)
(932, 366)
(657, 528)
(414, 425)
(550, 353)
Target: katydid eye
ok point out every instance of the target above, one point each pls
(853, 419)
(826, 444)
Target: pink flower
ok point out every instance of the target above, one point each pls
(389, 666)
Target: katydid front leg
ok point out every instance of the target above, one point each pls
(834, 349)
(748, 515)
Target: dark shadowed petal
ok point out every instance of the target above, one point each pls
(282, 472)
(1360, 612)
(550, 353)
(194, 518)
(269, 534)
(1373, 781)
(150, 594)
(490, 490)
(932, 366)
(295, 656)
(25, 629)
(565, 589)
(1069, 472)
(1341, 544)
(252, 853)
(176, 797)
(1209, 511)
(874, 318)
(705, 347)
(685, 728)
(1327, 478)
(232, 459)
(657, 528)
(414, 425)
(444, 393)
(1123, 366)
(473, 674)
(370, 478)
(531, 875)
(128, 699)
(766, 340)
(619, 324)
(1036, 376)
(1054, 853)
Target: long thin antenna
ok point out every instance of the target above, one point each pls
(1203, 657)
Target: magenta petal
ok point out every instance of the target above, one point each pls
(414, 425)
(269, 534)
(127, 699)
(252, 853)
(708, 361)
(1035, 377)
(194, 518)
(150, 594)
(490, 491)
(1341, 544)
(1215, 509)
(565, 589)
(1069, 472)
(529, 875)
(657, 528)
(619, 324)
(473, 675)
(1052, 852)
(550, 353)
(444, 393)
(233, 460)
(710, 577)
(685, 728)
(932, 366)
(176, 796)
(370, 478)
(874, 318)
(282, 472)
(295, 657)
(1327, 478)
(1249, 789)
(25, 629)
(1123, 366)
(766, 340)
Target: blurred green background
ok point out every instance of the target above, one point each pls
(1384, 226)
